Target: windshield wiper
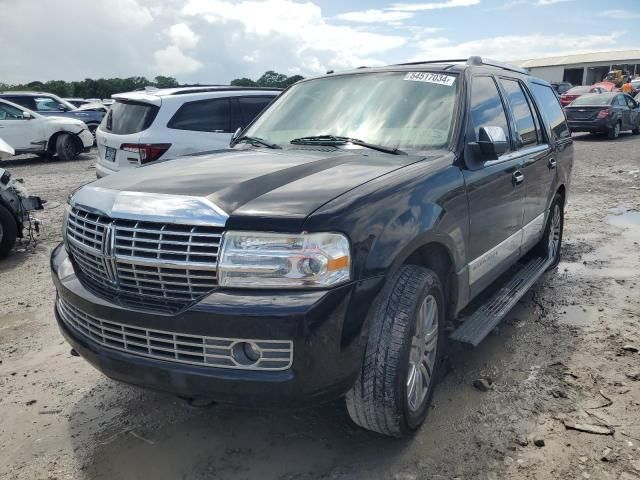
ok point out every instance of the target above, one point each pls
(258, 140)
(336, 140)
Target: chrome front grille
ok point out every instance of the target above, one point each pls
(164, 262)
(173, 346)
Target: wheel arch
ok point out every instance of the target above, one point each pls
(51, 144)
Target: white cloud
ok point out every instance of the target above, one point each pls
(543, 3)
(620, 14)
(182, 36)
(374, 16)
(172, 61)
(282, 33)
(419, 7)
(515, 47)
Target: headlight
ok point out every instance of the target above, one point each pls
(274, 260)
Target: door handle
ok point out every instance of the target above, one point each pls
(518, 177)
(552, 163)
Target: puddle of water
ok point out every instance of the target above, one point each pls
(624, 218)
(579, 316)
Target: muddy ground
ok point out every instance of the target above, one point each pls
(559, 357)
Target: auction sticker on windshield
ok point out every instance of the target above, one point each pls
(427, 77)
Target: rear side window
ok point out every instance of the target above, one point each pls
(486, 106)
(550, 105)
(250, 107)
(125, 118)
(521, 111)
(213, 115)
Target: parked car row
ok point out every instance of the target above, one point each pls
(30, 132)
(50, 105)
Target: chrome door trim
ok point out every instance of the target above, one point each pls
(496, 255)
(151, 207)
(523, 152)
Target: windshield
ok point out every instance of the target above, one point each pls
(396, 109)
(593, 99)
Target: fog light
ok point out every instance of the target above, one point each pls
(246, 353)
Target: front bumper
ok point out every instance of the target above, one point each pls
(86, 138)
(325, 328)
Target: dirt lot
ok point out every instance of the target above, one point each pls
(565, 354)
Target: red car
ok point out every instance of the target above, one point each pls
(573, 93)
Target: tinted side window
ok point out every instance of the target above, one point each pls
(550, 105)
(630, 102)
(486, 106)
(521, 111)
(27, 102)
(621, 101)
(212, 115)
(250, 107)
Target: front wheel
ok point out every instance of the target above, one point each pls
(551, 242)
(67, 147)
(402, 357)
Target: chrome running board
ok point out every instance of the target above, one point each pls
(479, 324)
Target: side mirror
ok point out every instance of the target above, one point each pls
(27, 116)
(234, 136)
(62, 108)
(492, 141)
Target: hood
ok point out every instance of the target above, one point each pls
(261, 183)
(66, 122)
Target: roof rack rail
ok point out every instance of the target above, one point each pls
(478, 61)
(223, 88)
(474, 61)
(457, 60)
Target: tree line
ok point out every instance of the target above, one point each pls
(105, 87)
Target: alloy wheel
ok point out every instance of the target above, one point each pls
(554, 232)
(422, 356)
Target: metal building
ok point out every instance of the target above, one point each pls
(583, 69)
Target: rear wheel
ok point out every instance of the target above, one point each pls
(8, 231)
(392, 393)
(614, 132)
(551, 242)
(67, 147)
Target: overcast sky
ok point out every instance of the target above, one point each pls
(214, 41)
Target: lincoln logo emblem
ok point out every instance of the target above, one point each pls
(107, 248)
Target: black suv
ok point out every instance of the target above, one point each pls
(326, 251)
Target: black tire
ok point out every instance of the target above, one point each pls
(545, 247)
(636, 130)
(8, 231)
(67, 147)
(614, 132)
(379, 401)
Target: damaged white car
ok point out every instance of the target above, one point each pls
(29, 132)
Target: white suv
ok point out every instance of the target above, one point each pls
(29, 132)
(144, 126)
